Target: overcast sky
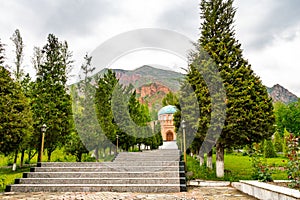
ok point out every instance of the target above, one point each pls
(269, 30)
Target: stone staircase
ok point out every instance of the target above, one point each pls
(148, 171)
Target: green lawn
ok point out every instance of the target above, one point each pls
(7, 176)
(237, 167)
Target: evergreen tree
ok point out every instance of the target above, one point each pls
(51, 103)
(16, 117)
(249, 112)
(86, 121)
(103, 102)
(120, 114)
(269, 150)
(170, 99)
(278, 142)
(287, 117)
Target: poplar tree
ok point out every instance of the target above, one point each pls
(19, 46)
(51, 103)
(249, 112)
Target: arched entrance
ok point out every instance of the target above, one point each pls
(170, 136)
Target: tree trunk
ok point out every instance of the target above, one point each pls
(22, 158)
(96, 154)
(14, 167)
(209, 160)
(220, 160)
(79, 157)
(49, 155)
(201, 158)
(39, 155)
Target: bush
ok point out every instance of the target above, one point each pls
(286, 135)
(293, 166)
(269, 150)
(260, 169)
(278, 142)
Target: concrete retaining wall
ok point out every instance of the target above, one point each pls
(266, 191)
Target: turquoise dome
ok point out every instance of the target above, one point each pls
(167, 110)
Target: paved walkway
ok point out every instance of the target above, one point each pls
(197, 193)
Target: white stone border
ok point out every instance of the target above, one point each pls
(266, 191)
(204, 183)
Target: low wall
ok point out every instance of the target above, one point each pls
(266, 191)
(204, 183)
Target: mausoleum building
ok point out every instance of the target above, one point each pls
(165, 116)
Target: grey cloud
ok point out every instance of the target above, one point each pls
(281, 16)
(71, 17)
(183, 17)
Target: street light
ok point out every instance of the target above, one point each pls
(184, 143)
(117, 143)
(43, 129)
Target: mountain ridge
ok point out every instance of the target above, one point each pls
(146, 75)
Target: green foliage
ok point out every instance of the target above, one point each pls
(16, 117)
(7, 176)
(260, 169)
(51, 104)
(293, 166)
(75, 146)
(249, 110)
(238, 167)
(286, 136)
(278, 142)
(170, 99)
(87, 127)
(103, 101)
(287, 117)
(120, 114)
(269, 150)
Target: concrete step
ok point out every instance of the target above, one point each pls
(149, 171)
(117, 164)
(111, 168)
(145, 188)
(155, 174)
(170, 180)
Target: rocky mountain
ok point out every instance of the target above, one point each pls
(153, 83)
(279, 93)
(152, 94)
(146, 75)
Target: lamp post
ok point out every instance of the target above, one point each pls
(43, 129)
(117, 143)
(181, 143)
(184, 142)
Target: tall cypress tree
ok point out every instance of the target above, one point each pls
(51, 103)
(249, 112)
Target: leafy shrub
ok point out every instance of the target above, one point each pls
(269, 150)
(278, 142)
(260, 169)
(293, 166)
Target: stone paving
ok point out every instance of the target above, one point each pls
(195, 193)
